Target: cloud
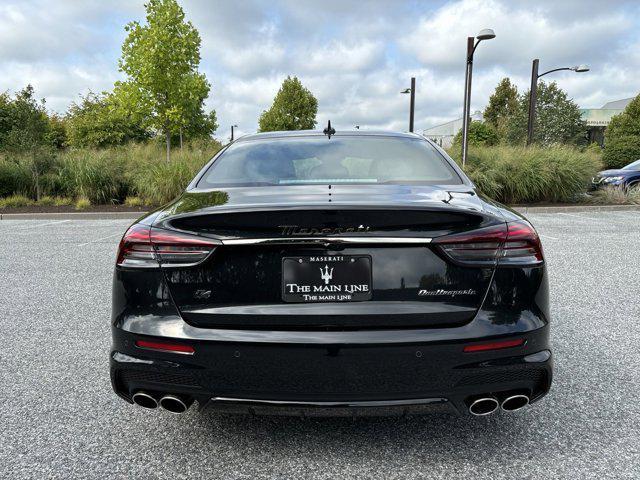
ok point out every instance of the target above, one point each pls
(355, 57)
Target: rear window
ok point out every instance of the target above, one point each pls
(312, 160)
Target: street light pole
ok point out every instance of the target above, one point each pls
(412, 105)
(232, 127)
(467, 99)
(485, 34)
(533, 92)
(412, 101)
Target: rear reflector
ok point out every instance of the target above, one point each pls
(145, 247)
(165, 347)
(483, 347)
(511, 244)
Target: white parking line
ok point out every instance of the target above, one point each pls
(578, 216)
(100, 239)
(548, 236)
(37, 226)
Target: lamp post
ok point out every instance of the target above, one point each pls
(232, 127)
(472, 44)
(533, 92)
(412, 102)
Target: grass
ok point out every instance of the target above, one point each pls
(62, 201)
(532, 174)
(15, 201)
(46, 201)
(615, 196)
(107, 176)
(82, 203)
(133, 202)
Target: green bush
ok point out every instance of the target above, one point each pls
(62, 201)
(15, 201)
(15, 178)
(533, 174)
(82, 203)
(480, 134)
(622, 150)
(157, 182)
(133, 202)
(46, 201)
(622, 137)
(98, 175)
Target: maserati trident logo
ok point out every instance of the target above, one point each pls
(326, 275)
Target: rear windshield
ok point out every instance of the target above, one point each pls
(312, 160)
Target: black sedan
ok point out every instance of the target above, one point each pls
(305, 273)
(625, 177)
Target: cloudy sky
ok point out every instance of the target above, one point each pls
(355, 56)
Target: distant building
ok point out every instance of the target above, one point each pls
(597, 119)
(444, 133)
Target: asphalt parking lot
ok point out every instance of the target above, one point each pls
(59, 417)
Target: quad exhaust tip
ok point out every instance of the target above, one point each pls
(483, 406)
(173, 404)
(515, 402)
(144, 400)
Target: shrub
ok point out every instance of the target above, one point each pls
(160, 183)
(46, 201)
(97, 175)
(133, 202)
(82, 203)
(533, 174)
(15, 201)
(480, 134)
(15, 178)
(62, 201)
(622, 137)
(620, 151)
(616, 196)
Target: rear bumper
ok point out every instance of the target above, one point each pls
(331, 373)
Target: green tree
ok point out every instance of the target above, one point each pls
(104, 120)
(502, 107)
(480, 134)
(558, 118)
(57, 134)
(622, 137)
(161, 60)
(294, 108)
(28, 133)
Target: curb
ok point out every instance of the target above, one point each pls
(578, 208)
(73, 216)
(136, 215)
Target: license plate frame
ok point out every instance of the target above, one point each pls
(326, 278)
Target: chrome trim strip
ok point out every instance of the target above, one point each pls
(369, 403)
(326, 240)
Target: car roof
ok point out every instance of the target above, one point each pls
(320, 133)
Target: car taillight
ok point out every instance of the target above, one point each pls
(512, 244)
(145, 247)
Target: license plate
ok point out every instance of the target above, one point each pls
(331, 278)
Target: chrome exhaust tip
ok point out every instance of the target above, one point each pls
(514, 402)
(483, 406)
(173, 404)
(144, 400)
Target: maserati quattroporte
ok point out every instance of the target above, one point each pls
(348, 273)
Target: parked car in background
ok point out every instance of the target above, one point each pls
(625, 177)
